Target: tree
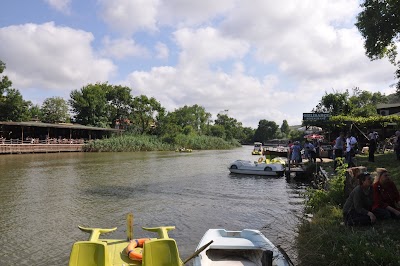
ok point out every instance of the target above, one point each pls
(233, 128)
(360, 103)
(379, 24)
(12, 105)
(335, 103)
(217, 131)
(89, 105)
(266, 130)
(195, 116)
(54, 110)
(285, 127)
(363, 103)
(147, 113)
(119, 101)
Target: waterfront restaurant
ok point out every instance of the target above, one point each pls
(46, 137)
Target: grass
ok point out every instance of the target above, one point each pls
(326, 241)
(130, 143)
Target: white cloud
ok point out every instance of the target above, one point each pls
(63, 6)
(183, 13)
(51, 58)
(269, 59)
(129, 16)
(122, 48)
(206, 45)
(161, 50)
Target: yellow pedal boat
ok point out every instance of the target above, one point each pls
(115, 252)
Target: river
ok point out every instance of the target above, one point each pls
(44, 197)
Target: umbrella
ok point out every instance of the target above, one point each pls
(313, 136)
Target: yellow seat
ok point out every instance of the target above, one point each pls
(88, 253)
(161, 252)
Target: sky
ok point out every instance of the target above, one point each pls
(251, 60)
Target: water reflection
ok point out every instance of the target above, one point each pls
(45, 196)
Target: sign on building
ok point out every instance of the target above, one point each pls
(316, 116)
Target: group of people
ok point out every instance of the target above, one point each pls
(345, 147)
(372, 200)
(312, 151)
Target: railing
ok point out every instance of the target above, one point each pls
(16, 146)
(44, 141)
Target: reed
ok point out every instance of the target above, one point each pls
(324, 240)
(132, 143)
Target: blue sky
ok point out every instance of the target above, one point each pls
(269, 60)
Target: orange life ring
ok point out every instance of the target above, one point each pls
(133, 253)
(261, 159)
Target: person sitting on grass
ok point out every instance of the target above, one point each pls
(358, 207)
(386, 195)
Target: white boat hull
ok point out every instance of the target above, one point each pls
(247, 247)
(254, 168)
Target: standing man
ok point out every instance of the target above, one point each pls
(351, 142)
(372, 146)
(338, 149)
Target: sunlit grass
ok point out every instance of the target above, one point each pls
(326, 241)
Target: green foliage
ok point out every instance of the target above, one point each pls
(217, 131)
(266, 130)
(285, 127)
(330, 193)
(119, 99)
(89, 105)
(147, 113)
(12, 105)
(233, 129)
(324, 238)
(127, 143)
(379, 24)
(140, 142)
(195, 116)
(54, 110)
(359, 103)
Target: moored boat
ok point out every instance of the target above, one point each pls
(256, 168)
(183, 150)
(112, 252)
(247, 247)
(280, 151)
(258, 149)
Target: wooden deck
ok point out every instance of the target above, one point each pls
(39, 148)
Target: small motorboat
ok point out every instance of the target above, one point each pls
(247, 247)
(258, 149)
(257, 168)
(183, 150)
(112, 252)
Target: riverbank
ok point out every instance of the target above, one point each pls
(324, 240)
(152, 143)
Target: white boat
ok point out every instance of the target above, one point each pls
(247, 247)
(256, 168)
(258, 149)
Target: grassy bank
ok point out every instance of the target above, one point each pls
(153, 143)
(326, 241)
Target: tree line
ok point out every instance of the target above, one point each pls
(105, 105)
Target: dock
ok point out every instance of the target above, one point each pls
(39, 148)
